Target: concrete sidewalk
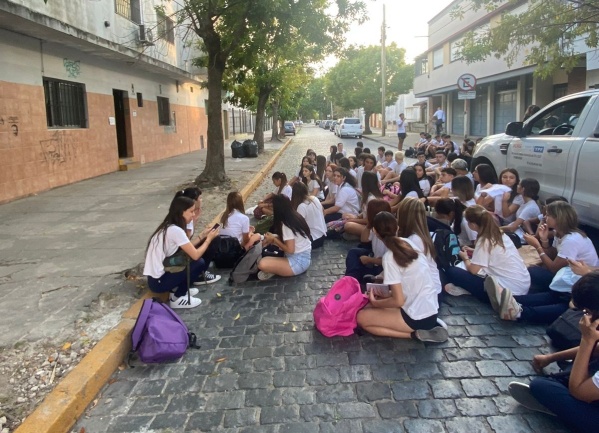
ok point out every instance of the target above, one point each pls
(61, 248)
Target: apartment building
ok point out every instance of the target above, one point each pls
(502, 92)
(88, 87)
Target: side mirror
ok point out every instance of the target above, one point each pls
(514, 129)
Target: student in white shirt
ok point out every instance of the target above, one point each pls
(369, 164)
(511, 200)
(401, 131)
(528, 189)
(306, 160)
(488, 193)
(371, 190)
(291, 234)
(310, 208)
(314, 184)
(340, 149)
(442, 188)
(164, 242)
(409, 187)
(347, 199)
(494, 255)
(423, 179)
(462, 189)
(331, 188)
(396, 169)
(194, 193)
(380, 157)
(235, 223)
(442, 162)
(409, 308)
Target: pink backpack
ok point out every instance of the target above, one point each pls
(335, 313)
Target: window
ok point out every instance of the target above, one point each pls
(129, 9)
(165, 28)
(421, 66)
(438, 58)
(454, 50)
(559, 120)
(164, 109)
(65, 104)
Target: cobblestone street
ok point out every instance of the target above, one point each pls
(263, 367)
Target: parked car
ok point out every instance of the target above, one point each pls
(289, 128)
(327, 124)
(558, 146)
(350, 127)
(317, 122)
(332, 127)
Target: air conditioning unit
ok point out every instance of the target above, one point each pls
(142, 33)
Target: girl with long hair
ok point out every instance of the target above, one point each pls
(347, 200)
(364, 260)
(332, 154)
(279, 180)
(355, 224)
(408, 186)
(291, 234)
(463, 190)
(305, 162)
(494, 257)
(511, 200)
(312, 181)
(310, 208)
(488, 193)
(424, 180)
(411, 223)
(321, 165)
(409, 308)
(331, 187)
(165, 241)
(570, 245)
(528, 189)
(235, 223)
(194, 193)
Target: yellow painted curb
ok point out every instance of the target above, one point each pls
(61, 409)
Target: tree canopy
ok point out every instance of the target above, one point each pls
(550, 33)
(355, 82)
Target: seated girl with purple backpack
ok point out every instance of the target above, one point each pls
(409, 308)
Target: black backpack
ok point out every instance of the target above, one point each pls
(447, 248)
(227, 251)
(247, 265)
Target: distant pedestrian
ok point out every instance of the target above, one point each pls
(401, 131)
(440, 115)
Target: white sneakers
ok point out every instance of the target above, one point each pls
(264, 275)
(184, 302)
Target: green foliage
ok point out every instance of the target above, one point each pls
(355, 82)
(547, 33)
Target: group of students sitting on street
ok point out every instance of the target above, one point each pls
(393, 212)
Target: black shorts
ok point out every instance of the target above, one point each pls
(427, 323)
(402, 135)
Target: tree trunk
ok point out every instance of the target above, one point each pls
(367, 129)
(275, 121)
(214, 171)
(260, 115)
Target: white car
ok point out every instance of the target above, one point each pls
(349, 127)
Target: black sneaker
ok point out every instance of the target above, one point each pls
(207, 278)
(436, 335)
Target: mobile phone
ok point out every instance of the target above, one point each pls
(215, 226)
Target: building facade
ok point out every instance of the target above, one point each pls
(502, 92)
(89, 87)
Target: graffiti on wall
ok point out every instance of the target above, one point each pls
(12, 124)
(58, 149)
(72, 67)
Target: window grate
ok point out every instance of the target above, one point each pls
(65, 104)
(164, 118)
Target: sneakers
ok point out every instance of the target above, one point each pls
(264, 275)
(509, 308)
(521, 393)
(441, 323)
(494, 291)
(436, 335)
(193, 291)
(454, 290)
(207, 278)
(184, 302)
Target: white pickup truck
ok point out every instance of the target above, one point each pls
(558, 146)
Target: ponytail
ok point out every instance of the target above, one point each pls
(385, 226)
(488, 230)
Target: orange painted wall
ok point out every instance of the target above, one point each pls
(38, 158)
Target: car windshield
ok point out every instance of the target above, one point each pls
(351, 121)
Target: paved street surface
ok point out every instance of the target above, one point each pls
(263, 367)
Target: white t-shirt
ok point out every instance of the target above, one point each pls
(312, 185)
(432, 265)
(348, 200)
(418, 289)
(401, 126)
(301, 243)
(413, 194)
(496, 192)
(399, 167)
(312, 212)
(525, 212)
(380, 159)
(425, 186)
(191, 228)
(353, 172)
(467, 235)
(575, 246)
(505, 265)
(378, 247)
(158, 251)
(391, 165)
(237, 224)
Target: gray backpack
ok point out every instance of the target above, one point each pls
(246, 265)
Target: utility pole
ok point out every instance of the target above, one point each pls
(331, 109)
(383, 74)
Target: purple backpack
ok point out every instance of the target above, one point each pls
(335, 313)
(159, 334)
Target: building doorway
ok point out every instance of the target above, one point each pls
(121, 108)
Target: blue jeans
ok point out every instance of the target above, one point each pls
(577, 414)
(355, 268)
(332, 217)
(544, 307)
(540, 278)
(169, 281)
(473, 283)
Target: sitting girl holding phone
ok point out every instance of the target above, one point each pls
(236, 223)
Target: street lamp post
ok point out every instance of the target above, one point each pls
(383, 75)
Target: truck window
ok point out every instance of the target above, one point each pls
(559, 119)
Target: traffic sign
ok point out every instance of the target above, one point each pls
(467, 95)
(467, 82)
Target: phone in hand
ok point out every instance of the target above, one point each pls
(215, 226)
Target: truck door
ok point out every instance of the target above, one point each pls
(544, 151)
(585, 184)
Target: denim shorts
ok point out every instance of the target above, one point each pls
(300, 262)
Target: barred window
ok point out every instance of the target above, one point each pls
(164, 109)
(165, 28)
(129, 9)
(65, 104)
